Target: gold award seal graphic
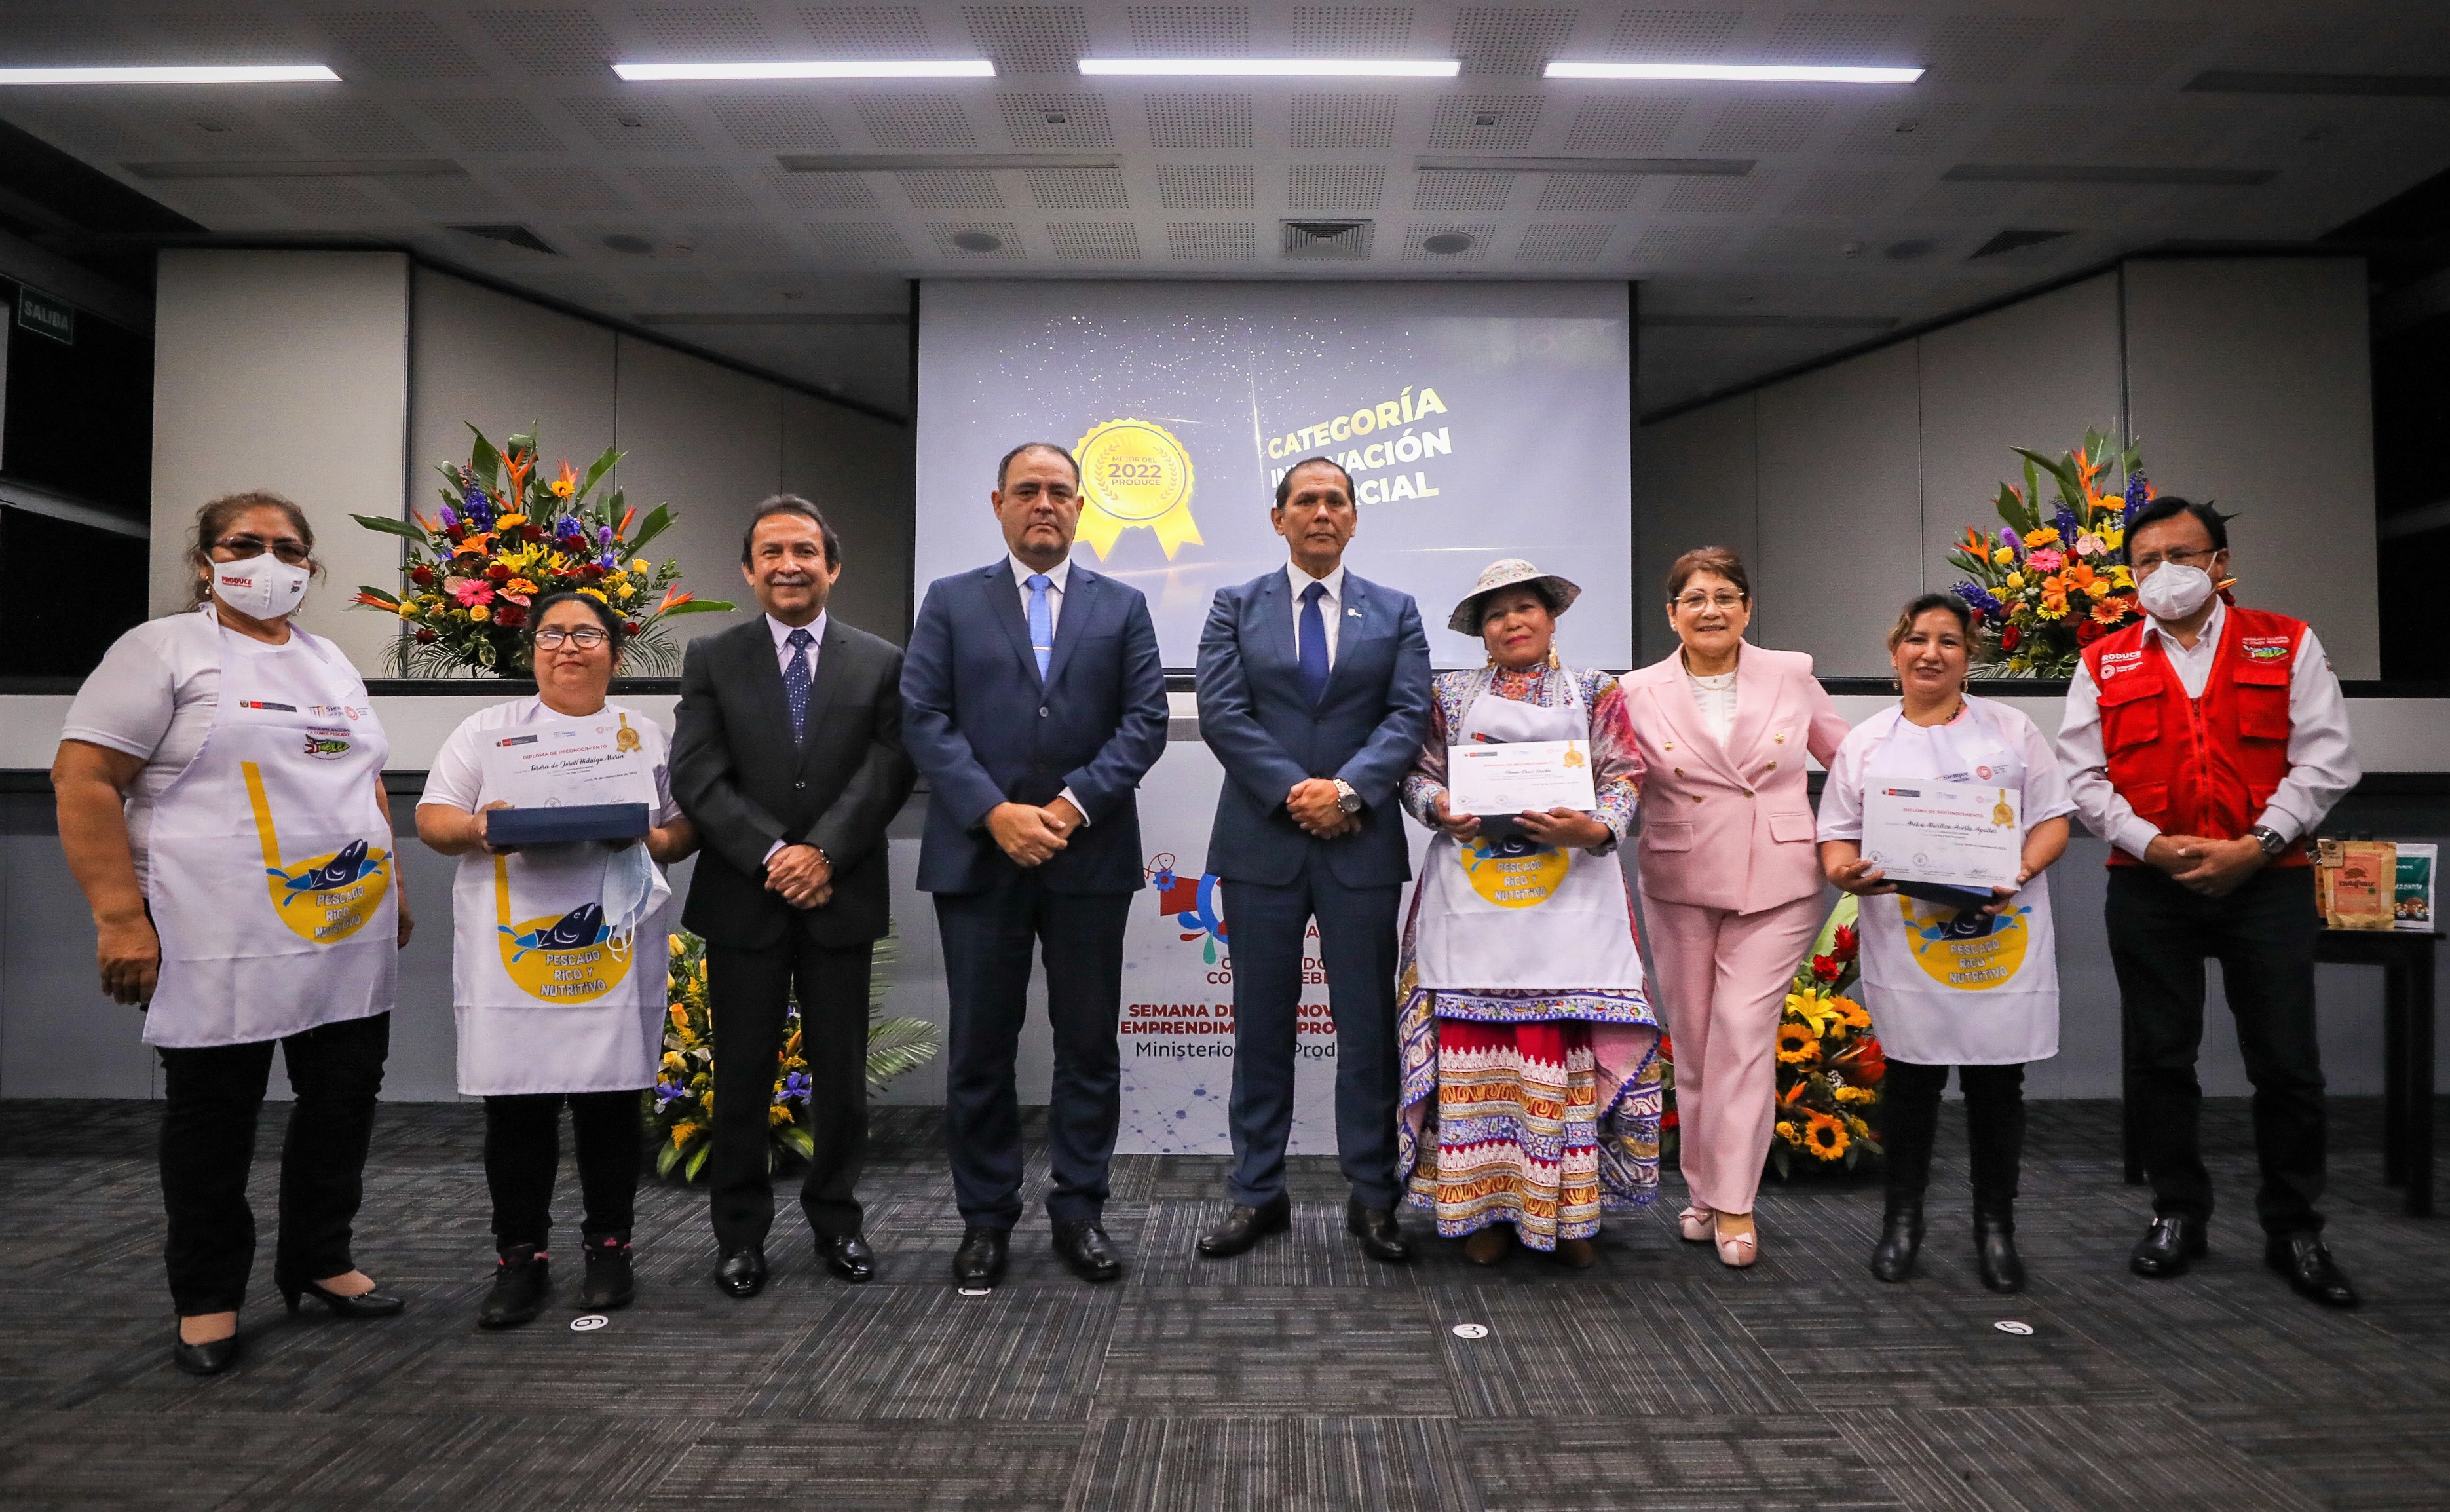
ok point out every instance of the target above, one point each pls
(1133, 473)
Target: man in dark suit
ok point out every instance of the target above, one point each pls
(1036, 703)
(788, 753)
(1315, 694)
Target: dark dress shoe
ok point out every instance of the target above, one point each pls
(2306, 1263)
(1245, 1227)
(978, 1264)
(1084, 1248)
(364, 1304)
(741, 1273)
(847, 1256)
(1376, 1228)
(610, 1282)
(522, 1279)
(203, 1359)
(1994, 1254)
(2167, 1247)
(1892, 1258)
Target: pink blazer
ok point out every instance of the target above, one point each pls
(1731, 826)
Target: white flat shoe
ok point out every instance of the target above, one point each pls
(1738, 1249)
(1697, 1224)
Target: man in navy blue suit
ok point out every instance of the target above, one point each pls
(1034, 703)
(1315, 694)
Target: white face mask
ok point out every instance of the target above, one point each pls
(2174, 592)
(260, 587)
(629, 891)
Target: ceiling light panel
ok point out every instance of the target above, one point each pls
(809, 68)
(1735, 72)
(1272, 67)
(183, 73)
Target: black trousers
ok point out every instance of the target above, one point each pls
(1994, 1130)
(747, 991)
(987, 938)
(523, 1157)
(211, 1099)
(2263, 934)
(1358, 948)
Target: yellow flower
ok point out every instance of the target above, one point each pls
(1796, 1045)
(408, 609)
(2122, 577)
(622, 591)
(480, 613)
(509, 521)
(2047, 536)
(520, 585)
(1824, 1137)
(1786, 1132)
(2015, 581)
(2003, 555)
(596, 595)
(638, 565)
(677, 946)
(1846, 1093)
(2112, 537)
(1851, 1011)
(681, 1133)
(1817, 1012)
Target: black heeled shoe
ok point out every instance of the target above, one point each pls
(1892, 1258)
(203, 1359)
(367, 1304)
(1994, 1252)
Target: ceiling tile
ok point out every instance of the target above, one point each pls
(1834, 37)
(1637, 123)
(97, 129)
(951, 189)
(335, 198)
(1205, 186)
(1095, 241)
(215, 129)
(1673, 246)
(1510, 40)
(1029, 39)
(1197, 120)
(1212, 241)
(492, 126)
(1057, 121)
(1483, 122)
(1353, 31)
(249, 37)
(1842, 192)
(1590, 193)
(559, 189)
(1915, 129)
(2129, 53)
(1446, 193)
(860, 242)
(1191, 31)
(1335, 186)
(915, 122)
(822, 191)
(632, 125)
(556, 43)
(1563, 243)
(1343, 123)
(758, 244)
(33, 38)
(353, 127)
(868, 32)
(1717, 195)
(1672, 36)
(772, 123)
(691, 186)
(708, 34)
(445, 196)
(945, 234)
(399, 45)
(1765, 125)
(2044, 133)
(1085, 188)
(1983, 50)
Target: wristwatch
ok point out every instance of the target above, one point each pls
(1346, 798)
(2269, 837)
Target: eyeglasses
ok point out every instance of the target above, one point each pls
(1695, 603)
(2181, 557)
(288, 548)
(587, 637)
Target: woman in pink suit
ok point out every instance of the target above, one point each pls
(1730, 882)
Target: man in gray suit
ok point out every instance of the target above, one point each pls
(1314, 693)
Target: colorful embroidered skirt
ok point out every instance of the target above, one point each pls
(1517, 1136)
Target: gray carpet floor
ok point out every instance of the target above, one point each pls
(1300, 1376)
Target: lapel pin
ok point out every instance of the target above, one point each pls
(1354, 613)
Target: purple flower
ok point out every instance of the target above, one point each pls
(2010, 539)
(480, 510)
(604, 535)
(2066, 521)
(450, 518)
(1979, 598)
(2138, 494)
(795, 1087)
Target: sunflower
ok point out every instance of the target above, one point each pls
(1786, 1132)
(1796, 1045)
(1850, 1013)
(1824, 1137)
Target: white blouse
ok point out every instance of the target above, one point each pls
(1716, 697)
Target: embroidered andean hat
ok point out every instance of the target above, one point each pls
(1512, 572)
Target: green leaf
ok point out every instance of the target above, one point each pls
(595, 473)
(697, 606)
(897, 1046)
(379, 594)
(484, 462)
(697, 1161)
(671, 1158)
(391, 527)
(798, 1138)
(658, 520)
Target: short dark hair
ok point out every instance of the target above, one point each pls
(1924, 604)
(1005, 466)
(2170, 506)
(1285, 484)
(791, 504)
(1717, 560)
(615, 629)
(213, 521)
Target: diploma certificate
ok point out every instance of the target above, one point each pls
(1534, 774)
(1956, 834)
(584, 762)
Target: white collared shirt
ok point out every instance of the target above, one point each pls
(2321, 751)
(1331, 607)
(1059, 577)
(781, 633)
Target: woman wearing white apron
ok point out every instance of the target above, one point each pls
(1530, 1054)
(221, 803)
(557, 965)
(1977, 990)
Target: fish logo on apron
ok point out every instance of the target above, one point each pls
(322, 898)
(1516, 873)
(558, 959)
(1971, 951)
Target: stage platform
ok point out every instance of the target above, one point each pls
(1300, 1376)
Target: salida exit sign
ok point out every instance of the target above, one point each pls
(40, 313)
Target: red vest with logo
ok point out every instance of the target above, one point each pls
(2199, 765)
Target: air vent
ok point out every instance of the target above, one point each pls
(1327, 240)
(2015, 239)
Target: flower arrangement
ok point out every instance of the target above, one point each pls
(680, 1108)
(507, 535)
(2045, 587)
(1829, 1065)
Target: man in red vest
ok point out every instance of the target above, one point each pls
(2205, 745)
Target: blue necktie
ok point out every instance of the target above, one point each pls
(795, 681)
(1041, 621)
(1314, 643)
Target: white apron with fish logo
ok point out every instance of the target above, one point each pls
(271, 869)
(548, 999)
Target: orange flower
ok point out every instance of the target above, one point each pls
(2113, 609)
(2081, 578)
(567, 483)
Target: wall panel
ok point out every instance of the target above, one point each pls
(709, 442)
(1694, 484)
(857, 470)
(504, 365)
